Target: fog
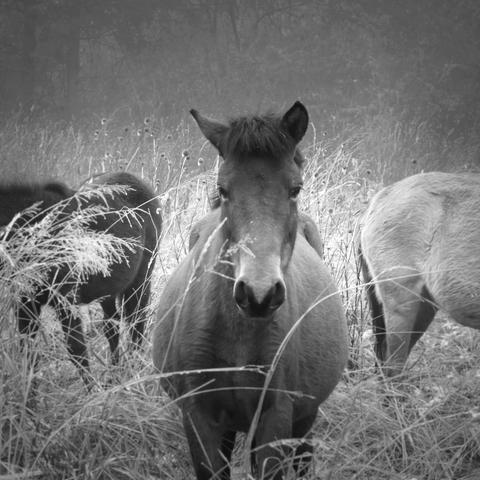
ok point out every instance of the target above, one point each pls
(415, 63)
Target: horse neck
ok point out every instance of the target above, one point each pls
(16, 199)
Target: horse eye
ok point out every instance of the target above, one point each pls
(222, 193)
(294, 192)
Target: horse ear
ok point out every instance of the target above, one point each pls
(295, 121)
(214, 131)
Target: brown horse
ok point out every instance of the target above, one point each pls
(248, 279)
(420, 251)
(129, 281)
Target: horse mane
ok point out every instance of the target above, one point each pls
(260, 135)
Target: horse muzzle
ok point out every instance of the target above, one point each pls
(259, 300)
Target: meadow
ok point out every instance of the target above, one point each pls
(425, 427)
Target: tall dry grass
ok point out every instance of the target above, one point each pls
(128, 429)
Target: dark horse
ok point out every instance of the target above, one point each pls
(249, 277)
(129, 281)
(420, 250)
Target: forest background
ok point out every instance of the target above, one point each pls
(362, 67)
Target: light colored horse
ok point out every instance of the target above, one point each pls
(420, 248)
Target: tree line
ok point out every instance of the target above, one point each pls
(346, 59)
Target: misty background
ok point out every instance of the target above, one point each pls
(367, 70)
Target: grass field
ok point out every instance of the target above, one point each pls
(126, 427)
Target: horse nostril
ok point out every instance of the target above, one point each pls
(278, 295)
(258, 304)
(240, 293)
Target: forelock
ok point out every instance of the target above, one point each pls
(260, 136)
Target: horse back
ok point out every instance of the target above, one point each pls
(424, 230)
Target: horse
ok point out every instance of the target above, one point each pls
(129, 280)
(419, 251)
(251, 284)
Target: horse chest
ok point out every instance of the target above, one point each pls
(239, 350)
(234, 353)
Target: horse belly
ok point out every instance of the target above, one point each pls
(317, 353)
(120, 278)
(458, 297)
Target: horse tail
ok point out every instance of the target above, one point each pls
(376, 308)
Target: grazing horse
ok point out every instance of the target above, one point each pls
(129, 281)
(249, 277)
(420, 252)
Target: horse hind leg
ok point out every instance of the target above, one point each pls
(425, 314)
(111, 320)
(408, 313)
(376, 313)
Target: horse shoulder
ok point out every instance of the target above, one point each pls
(168, 306)
(182, 315)
(309, 230)
(203, 228)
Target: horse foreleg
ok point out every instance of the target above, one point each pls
(228, 442)
(28, 315)
(275, 424)
(304, 451)
(111, 327)
(28, 324)
(209, 446)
